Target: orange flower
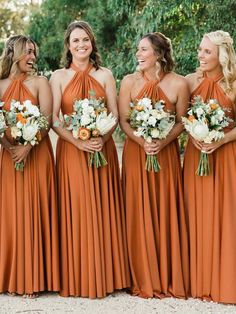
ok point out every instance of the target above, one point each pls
(191, 118)
(138, 108)
(39, 136)
(84, 134)
(214, 106)
(95, 133)
(20, 118)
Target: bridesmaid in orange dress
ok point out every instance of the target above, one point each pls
(211, 200)
(94, 259)
(155, 217)
(29, 259)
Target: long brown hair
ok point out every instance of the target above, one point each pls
(94, 57)
(162, 46)
(13, 52)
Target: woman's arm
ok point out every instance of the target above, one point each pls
(124, 108)
(181, 106)
(111, 96)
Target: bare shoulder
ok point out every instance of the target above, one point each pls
(105, 71)
(192, 78)
(59, 74)
(178, 80)
(3, 85)
(130, 79)
(40, 79)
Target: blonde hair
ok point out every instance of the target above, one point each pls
(13, 52)
(227, 56)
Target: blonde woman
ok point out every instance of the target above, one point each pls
(28, 212)
(211, 200)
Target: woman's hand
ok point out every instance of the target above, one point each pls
(196, 143)
(92, 145)
(19, 153)
(154, 147)
(210, 148)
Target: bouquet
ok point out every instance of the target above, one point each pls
(150, 121)
(25, 122)
(3, 125)
(205, 122)
(90, 119)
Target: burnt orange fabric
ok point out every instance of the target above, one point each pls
(29, 258)
(156, 224)
(94, 258)
(211, 205)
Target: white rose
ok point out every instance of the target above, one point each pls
(146, 102)
(152, 121)
(199, 112)
(155, 113)
(15, 132)
(14, 104)
(155, 133)
(88, 110)
(29, 131)
(85, 120)
(32, 109)
(84, 102)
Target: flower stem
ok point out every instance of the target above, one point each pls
(152, 163)
(97, 159)
(203, 165)
(19, 166)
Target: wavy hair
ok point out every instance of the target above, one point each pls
(227, 57)
(14, 51)
(95, 58)
(163, 48)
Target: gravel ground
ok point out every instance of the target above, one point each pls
(116, 303)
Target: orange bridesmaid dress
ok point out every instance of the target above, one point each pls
(29, 257)
(211, 205)
(155, 217)
(94, 258)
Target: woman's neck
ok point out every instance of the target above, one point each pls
(214, 72)
(17, 75)
(81, 65)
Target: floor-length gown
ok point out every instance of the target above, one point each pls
(94, 259)
(155, 217)
(29, 254)
(211, 206)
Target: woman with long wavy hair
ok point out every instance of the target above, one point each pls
(211, 200)
(155, 217)
(29, 260)
(92, 228)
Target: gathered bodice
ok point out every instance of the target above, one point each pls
(152, 90)
(80, 87)
(209, 88)
(17, 91)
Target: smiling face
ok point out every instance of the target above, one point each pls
(80, 44)
(27, 62)
(208, 56)
(146, 55)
